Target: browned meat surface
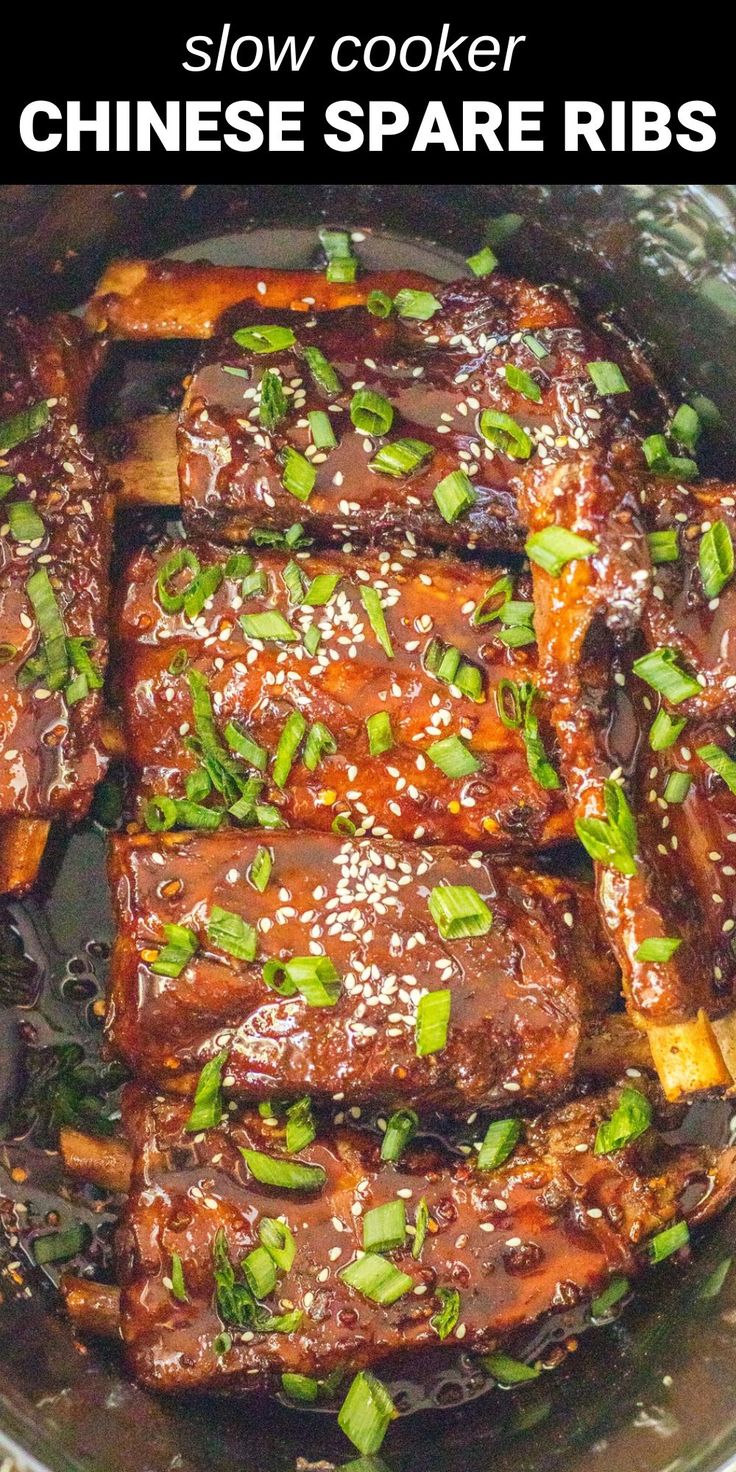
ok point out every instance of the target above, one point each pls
(519, 993)
(160, 299)
(536, 1236)
(496, 801)
(439, 376)
(54, 552)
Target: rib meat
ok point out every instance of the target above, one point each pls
(439, 375)
(530, 1239)
(427, 604)
(521, 995)
(50, 750)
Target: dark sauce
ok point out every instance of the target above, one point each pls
(54, 948)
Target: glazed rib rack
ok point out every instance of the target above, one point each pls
(362, 737)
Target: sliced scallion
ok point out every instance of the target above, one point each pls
(371, 600)
(454, 495)
(298, 475)
(630, 1119)
(180, 948)
(370, 412)
(607, 377)
(320, 743)
(286, 1175)
(401, 457)
(453, 757)
(483, 262)
(260, 870)
(665, 730)
(715, 558)
(554, 546)
(458, 911)
(400, 1130)
(672, 1239)
(503, 433)
(320, 424)
(660, 670)
(23, 425)
(321, 589)
(432, 1023)
(232, 934)
(207, 1108)
(664, 546)
(499, 1142)
(523, 383)
(272, 403)
(719, 762)
(446, 1320)
(268, 625)
(271, 339)
(366, 1413)
(384, 1227)
(418, 305)
(376, 1278)
(380, 735)
(289, 742)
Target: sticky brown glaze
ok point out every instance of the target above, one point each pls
(400, 792)
(678, 614)
(50, 754)
(520, 993)
(165, 299)
(536, 1237)
(439, 375)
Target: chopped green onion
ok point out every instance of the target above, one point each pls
(23, 425)
(321, 589)
(260, 1272)
(288, 745)
(51, 628)
(207, 1108)
(554, 546)
(630, 1119)
(312, 640)
(503, 433)
(269, 625)
(508, 1371)
(232, 934)
(320, 743)
(203, 587)
(272, 405)
(366, 1413)
(660, 460)
(418, 305)
(222, 1343)
(300, 1126)
(500, 228)
(278, 1240)
(244, 745)
(677, 786)
(523, 383)
(607, 378)
(669, 1241)
(432, 1024)
(401, 457)
(303, 1389)
(376, 1278)
(298, 476)
(384, 1227)
(323, 435)
(658, 948)
(61, 1246)
(660, 670)
(286, 1175)
(6, 484)
(341, 263)
(611, 841)
(162, 813)
(454, 495)
(469, 681)
(315, 977)
(715, 558)
(612, 1294)
(459, 911)
(260, 870)
(178, 1285)
(370, 412)
(453, 757)
(264, 339)
(371, 600)
(343, 824)
(715, 1280)
(400, 1130)
(664, 546)
(719, 762)
(665, 730)
(380, 735)
(685, 427)
(254, 583)
(421, 1227)
(180, 948)
(445, 1321)
(483, 262)
(534, 345)
(7, 653)
(24, 521)
(500, 1141)
(493, 601)
(322, 371)
(172, 599)
(522, 716)
(293, 580)
(379, 304)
